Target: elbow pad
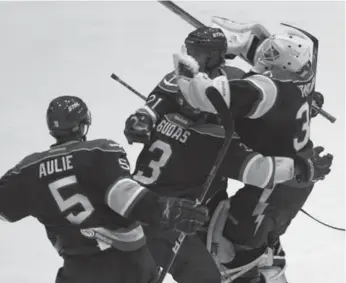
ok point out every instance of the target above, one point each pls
(262, 171)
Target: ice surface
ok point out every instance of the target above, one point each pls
(53, 48)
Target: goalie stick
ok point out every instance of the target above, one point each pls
(170, 5)
(315, 42)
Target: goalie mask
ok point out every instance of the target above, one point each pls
(285, 56)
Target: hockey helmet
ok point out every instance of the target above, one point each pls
(207, 46)
(68, 117)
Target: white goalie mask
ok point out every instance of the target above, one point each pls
(285, 56)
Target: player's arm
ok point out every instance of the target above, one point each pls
(15, 196)
(131, 200)
(243, 164)
(253, 96)
(161, 100)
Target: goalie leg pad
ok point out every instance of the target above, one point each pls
(220, 248)
(273, 274)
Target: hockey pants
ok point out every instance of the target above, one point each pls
(110, 266)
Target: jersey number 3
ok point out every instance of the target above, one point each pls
(154, 165)
(68, 203)
(302, 137)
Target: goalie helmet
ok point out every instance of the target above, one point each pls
(285, 56)
(207, 46)
(68, 117)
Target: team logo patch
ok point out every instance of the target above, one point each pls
(169, 83)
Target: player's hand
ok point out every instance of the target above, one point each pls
(312, 165)
(321, 164)
(318, 101)
(138, 127)
(182, 215)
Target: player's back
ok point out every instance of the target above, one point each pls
(64, 188)
(285, 128)
(179, 157)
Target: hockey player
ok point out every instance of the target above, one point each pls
(181, 143)
(84, 195)
(271, 105)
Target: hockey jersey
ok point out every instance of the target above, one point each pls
(184, 144)
(69, 189)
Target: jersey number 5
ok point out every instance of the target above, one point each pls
(303, 115)
(154, 165)
(65, 204)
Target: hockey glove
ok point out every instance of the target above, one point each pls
(318, 101)
(182, 215)
(312, 166)
(138, 127)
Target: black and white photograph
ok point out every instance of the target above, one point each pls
(172, 141)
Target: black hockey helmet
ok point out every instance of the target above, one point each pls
(68, 117)
(207, 46)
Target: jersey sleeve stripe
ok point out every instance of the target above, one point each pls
(258, 171)
(147, 109)
(268, 91)
(123, 195)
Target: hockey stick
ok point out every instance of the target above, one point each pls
(170, 5)
(227, 122)
(182, 13)
(115, 77)
(319, 221)
(324, 113)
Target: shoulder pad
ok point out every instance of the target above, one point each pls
(169, 83)
(28, 160)
(233, 73)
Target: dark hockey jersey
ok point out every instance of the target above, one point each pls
(271, 117)
(67, 189)
(182, 150)
(278, 123)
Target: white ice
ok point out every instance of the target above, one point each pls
(53, 48)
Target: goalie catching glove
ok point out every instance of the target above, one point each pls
(242, 39)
